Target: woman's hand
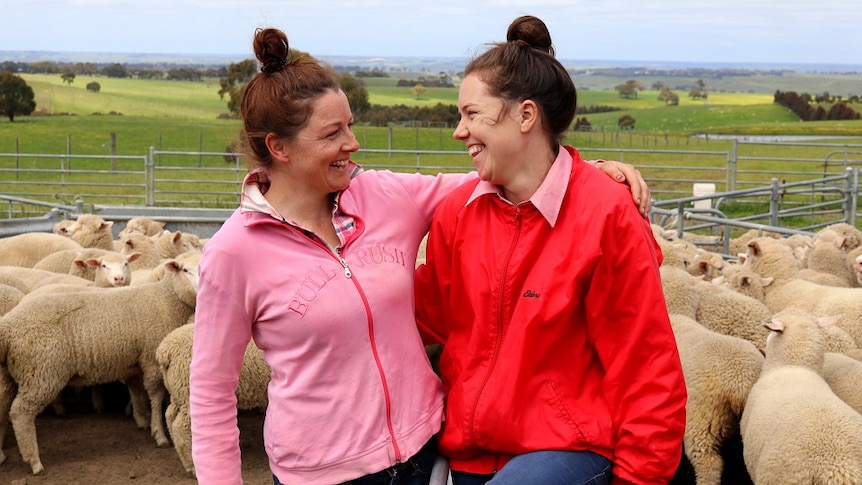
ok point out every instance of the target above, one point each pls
(628, 174)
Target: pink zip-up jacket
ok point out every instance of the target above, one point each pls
(351, 390)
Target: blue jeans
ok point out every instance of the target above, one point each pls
(547, 468)
(415, 471)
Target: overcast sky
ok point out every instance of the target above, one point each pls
(733, 31)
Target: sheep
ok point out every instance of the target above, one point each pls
(104, 267)
(27, 279)
(769, 258)
(62, 228)
(146, 276)
(827, 261)
(150, 255)
(89, 338)
(843, 373)
(707, 264)
(174, 355)
(739, 244)
(27, 249)
(716, 308)
(142, 225)
(91, 231)
(742, 279)
(171, 244)
(852, 235)
(9, 297)
(719, 371)
(794, 428)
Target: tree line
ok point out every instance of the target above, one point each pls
(811, 108)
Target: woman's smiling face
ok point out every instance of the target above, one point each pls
(487, 129)
(320, 153)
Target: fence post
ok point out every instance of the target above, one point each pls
(773, 203)
(732, 158)
(149, 178)
(849, 197)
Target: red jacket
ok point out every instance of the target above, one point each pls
(554, 337)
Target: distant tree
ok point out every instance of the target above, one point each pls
(94, 87)
(356, 93)
(629, 89)
(626, 122)
(16, 97)
(657, 86)
(669, 97)
(68, 76)
(581, 124)
(240, 74)
(417, 90)
(115, 70)
(9, 66)
(86, 68)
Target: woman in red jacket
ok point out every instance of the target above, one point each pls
(559, 363)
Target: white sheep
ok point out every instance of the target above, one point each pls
(150, 254)
(827, 261)
(91, 231)
(794, 428)
(715, 307)
(62, 228)
(102, 266)
(142, 225)
(27, 279)
(843, 373)
(9, 297)
(770, 258)
(174, 356)
(27, 249)
(719, 371)
(85, 339)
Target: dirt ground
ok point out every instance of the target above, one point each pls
(86, 448)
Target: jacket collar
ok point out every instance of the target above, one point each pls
(548, 198)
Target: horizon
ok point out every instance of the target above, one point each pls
(774, 32)
(28, 56)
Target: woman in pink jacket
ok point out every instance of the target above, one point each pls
(317, 266)
(542, 284)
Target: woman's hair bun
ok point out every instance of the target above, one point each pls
(531, 31)
(271, 49)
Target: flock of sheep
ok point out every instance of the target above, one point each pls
(770, 348)
(770, 340)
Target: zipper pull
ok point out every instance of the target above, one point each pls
(347, 273)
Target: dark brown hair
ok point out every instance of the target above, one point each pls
(280, 98)
(524, 68)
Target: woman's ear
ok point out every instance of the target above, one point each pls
(528, 114)
(277, 147)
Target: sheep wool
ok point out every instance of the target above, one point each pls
(769, 258)
(794, 428)
(174, 355)
(89, 338)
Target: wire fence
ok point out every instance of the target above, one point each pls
(815, 176)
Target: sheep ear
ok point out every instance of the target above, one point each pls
(80, 263)
(745, 281)
(824, 322)
(741, 257)
(754, 248)
(767, 281)
(106, 225)
(703, 266)
(133, 257)
(774, 324)
(93, 262)
(172, 266)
